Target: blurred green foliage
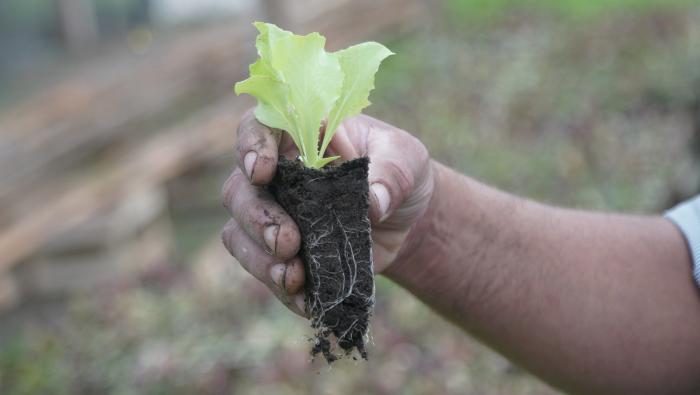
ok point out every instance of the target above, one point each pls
(588, 113)
(481, 9)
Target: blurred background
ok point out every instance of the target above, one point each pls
(117, 126)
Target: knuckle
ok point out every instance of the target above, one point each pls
(245, 144)
(256, 139)
(240, 149)
(227, 193)
(231, 189)
(246, 120)
(248, 132)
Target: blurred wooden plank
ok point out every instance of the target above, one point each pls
(160, 158)
(124, 242)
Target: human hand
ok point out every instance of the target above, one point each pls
(263, 237)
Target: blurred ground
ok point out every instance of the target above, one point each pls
(586, 104)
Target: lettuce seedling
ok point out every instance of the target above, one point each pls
(298, 84)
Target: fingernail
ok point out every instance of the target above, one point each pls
(383, 199)
(270, 236)
(299, 301)
(249, 163)
(277, 273)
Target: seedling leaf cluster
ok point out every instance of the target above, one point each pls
(298, 85)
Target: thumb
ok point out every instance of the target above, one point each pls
(398, 161)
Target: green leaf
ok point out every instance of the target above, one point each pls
(272, 95)
(324, 161)
(298, 84)
(359, 64)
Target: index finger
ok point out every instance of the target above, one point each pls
(257, 149)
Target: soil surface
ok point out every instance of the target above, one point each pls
(331, 208)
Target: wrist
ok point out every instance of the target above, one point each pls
(449, 256)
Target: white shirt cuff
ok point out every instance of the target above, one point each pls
(687, 217)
